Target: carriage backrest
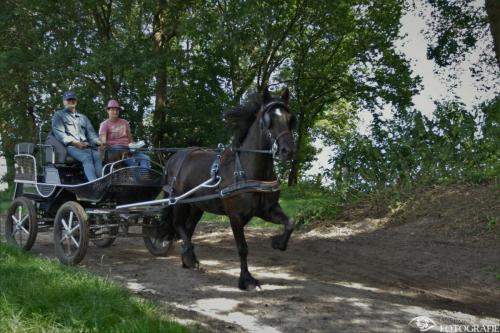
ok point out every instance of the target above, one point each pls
(59, 150)
(25, 148)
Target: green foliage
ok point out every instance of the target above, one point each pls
(5, 200)
(409, 149)
(457, 29)
(40, 296)
(309, 202)
(176, 66)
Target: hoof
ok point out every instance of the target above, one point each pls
(276, 243)
(247, 282)
(280, 242)
(189, 258)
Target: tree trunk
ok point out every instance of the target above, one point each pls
(293, 177)
(160, 41)
(493, 11)
(160, 112)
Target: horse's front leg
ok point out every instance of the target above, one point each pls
(246, 281)
(276, 215)
(181, 223)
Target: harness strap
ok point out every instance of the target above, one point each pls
(235, 189)
(238, 169)
(179, 166)
(258, 151)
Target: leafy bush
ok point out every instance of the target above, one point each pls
(454, 145)
(309, 202)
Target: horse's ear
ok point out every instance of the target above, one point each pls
(286, 95)
(266, 96)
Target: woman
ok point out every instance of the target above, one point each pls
(115, 136)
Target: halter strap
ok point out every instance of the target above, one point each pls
(269, 105)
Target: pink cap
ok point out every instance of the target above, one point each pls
(113, 104)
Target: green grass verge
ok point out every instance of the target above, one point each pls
(43, 296)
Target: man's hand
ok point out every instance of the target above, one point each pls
(80, 145)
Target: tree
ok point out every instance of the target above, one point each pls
(458, 27)
(346, 57)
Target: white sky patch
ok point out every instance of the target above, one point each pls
(278, 112)
(3, 170)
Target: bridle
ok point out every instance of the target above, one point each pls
(263, 113)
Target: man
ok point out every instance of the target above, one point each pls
(115, 134)
(75, 131)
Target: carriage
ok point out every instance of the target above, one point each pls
(238, 181)
(51, 192)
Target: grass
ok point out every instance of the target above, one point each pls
(304, 203)
(42, 296)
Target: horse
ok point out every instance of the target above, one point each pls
(262, 124)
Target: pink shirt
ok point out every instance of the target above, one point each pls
(116, 133)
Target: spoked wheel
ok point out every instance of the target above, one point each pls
(21, 225)
(71, 233)
(157, 242)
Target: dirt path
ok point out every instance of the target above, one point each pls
(342, 280)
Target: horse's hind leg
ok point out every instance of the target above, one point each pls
(195, 214)
(246, 281)
(181, 220)
(276, 215)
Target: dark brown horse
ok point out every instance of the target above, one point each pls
(261, 124)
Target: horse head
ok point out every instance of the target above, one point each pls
(277, 122)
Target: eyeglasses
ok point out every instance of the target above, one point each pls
(71, 100)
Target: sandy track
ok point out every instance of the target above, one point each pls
(335, 281)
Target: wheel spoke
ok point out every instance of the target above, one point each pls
(24, 219)
(14, 232)
(14, 218)
(20, 210)
(64, 238)
(63, 222)
(25, 231)
(70, 223)
(75, 242)
(73, 230)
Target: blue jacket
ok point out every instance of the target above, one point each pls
(70, 126)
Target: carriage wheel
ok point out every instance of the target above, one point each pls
(157, 244)
(21, 225)
(107, 242)
(71, 233)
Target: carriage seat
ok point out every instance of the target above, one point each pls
(61, 154)
(25, 148)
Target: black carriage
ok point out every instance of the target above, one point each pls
(51, 192)
(241, 184)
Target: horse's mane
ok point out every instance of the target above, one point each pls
(239, 119)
